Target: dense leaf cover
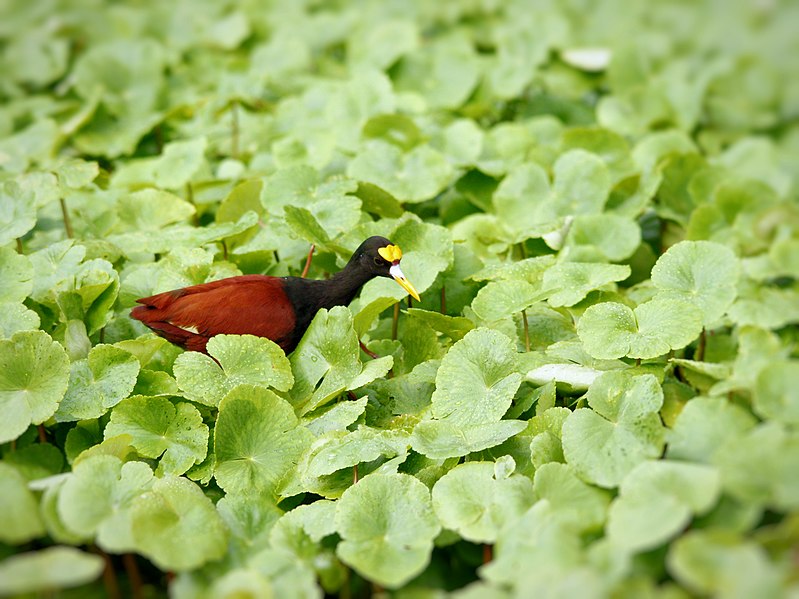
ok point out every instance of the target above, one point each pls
(598, 395)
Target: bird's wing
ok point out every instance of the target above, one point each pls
(249, 304)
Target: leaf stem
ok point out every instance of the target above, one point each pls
(42, 434)
(110, 581)
(195, 220)
(355, 474)
(67, 222)
(19, 246)
(308, 261)
(134, 576)
(700, 350)
(367, 351)
(443, 299)
(526, 331)
(234, 130)
(394, 322)
(488, 553)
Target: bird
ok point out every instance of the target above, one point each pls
(278, 308)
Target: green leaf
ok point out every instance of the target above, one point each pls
(704, 425)
(657, 500)
(477, 379)
(17, 211)
(546, 427)
(176, 526)
(15, 317)
(160, 429)
(473, 501)
(326, 361)
(574, 280)
(613, 237)
(776, 395)
(151, 209)
(235, 360)
(98, 383)
(257, 440)
(34, 373)
(364, 444)
(414, 176)
(757, 467)
(97, 496)
(20, 519)
(48, 570)
(16, 276)
(702, 273)
(382, 43)
(612, 330)
(572, 501)
(621, 430)
(387, 527)
(500, 299)
(581, 184)
(454, 327)
(724, 565)
(441, 439)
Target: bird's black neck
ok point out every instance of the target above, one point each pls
(308, 296)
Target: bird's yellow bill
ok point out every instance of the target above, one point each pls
(395, 272)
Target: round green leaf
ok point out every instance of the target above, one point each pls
(20, 520)
(702, 273)
(96, 498)
(440, 439)
(257, 440)
(176, 525)
(621, 430)
(574, 280)
(612, 330)
(387, 526)
(98, 383)
(16, 276)
(34, 373)
(704, 425)
(48, 570)
(581, 184)
(477, 379)
(574, 502)
(161, 429)
(500, 299)
(614, 237)
(471, 500)
(415, 176)
(240, 359)
(657, 500)
(15, 317)
(776, 393)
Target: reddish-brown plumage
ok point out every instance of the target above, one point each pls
(278, 308)
(249, 304)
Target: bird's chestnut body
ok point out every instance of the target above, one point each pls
(278, 308)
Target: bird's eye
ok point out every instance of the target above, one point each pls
(379, 261)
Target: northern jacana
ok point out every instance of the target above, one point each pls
(278, 308)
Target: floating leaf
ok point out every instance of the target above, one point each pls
(96, 499)
(657, 501)
(702, 273)
(387, 526)
(48, 570)
(473, 501)
(20, 520)
(477, 379)
(574, 280)
(572, 501)
(612, 330)
(161, 429)
(176, 526)
(500, 299)
(621, 430)
(34, 373)
(98, 383)
(236, 360)
(257, 440)
(415, 176)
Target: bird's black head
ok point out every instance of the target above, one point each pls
(379, 257)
